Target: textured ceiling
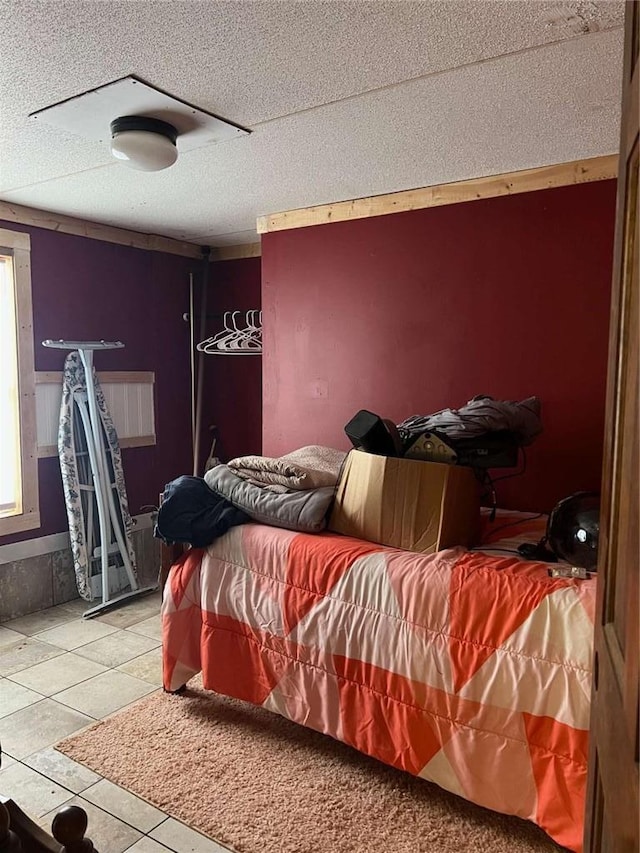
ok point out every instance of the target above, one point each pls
(345, 99)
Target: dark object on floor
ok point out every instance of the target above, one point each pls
(369, 432)
(192, 512)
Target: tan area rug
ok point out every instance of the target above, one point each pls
(260, 784)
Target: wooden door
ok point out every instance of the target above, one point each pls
(612, 800)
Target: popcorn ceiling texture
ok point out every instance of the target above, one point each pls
(346, 100)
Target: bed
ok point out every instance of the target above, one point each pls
(471, 669)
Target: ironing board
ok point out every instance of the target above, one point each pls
(100, 524)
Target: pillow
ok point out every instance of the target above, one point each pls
(302, 510)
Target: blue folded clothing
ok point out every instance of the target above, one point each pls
(192, 512)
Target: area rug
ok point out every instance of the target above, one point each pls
(258, 783)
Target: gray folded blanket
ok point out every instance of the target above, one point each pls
(303, 510)
(311, 467)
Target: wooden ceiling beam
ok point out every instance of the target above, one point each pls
(510, 183)
(121, 236)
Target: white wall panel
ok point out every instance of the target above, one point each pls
(129, 398)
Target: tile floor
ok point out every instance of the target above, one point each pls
(58, 674)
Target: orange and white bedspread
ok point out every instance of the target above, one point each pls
(472, 671)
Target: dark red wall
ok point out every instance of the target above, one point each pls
(233, 398)
(413, 312)
(87, 289)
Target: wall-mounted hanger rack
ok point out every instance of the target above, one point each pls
(239, 336)
(187, 316)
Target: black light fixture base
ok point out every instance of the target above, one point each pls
(144, 123)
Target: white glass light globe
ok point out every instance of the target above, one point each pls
(144, 150)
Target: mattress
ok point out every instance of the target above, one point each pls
(471, 669)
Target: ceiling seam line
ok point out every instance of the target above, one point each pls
(441, 72)
(57, 178)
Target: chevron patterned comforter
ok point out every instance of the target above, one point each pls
(469, 669)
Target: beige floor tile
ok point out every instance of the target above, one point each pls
(34, 793)
(147, 667)
(117, 648)
(104, 694)
(25, 653)
(6, 760)
(147, 845)
(77, 605)
(177, 836)
(135, 611)
(74, 634)
(43, 619)
(9, 637)
(43, 724)
(108, 834)
(57, 674)
(13, 697)
(124, 805)
(66, 772)
(149, 628)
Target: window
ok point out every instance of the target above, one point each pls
(18, 451)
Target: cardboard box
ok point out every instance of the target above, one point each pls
(405, 503)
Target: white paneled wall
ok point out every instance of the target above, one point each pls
(129, 397)
(47, 403)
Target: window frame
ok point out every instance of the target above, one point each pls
(18, 244)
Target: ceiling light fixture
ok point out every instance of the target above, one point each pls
(142, 143)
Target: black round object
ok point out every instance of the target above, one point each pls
(150, 125)
(574, 528)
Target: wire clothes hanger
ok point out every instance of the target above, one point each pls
(233, 339)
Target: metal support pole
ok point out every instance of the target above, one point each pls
(203, 326)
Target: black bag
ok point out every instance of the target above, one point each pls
(192, 512)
